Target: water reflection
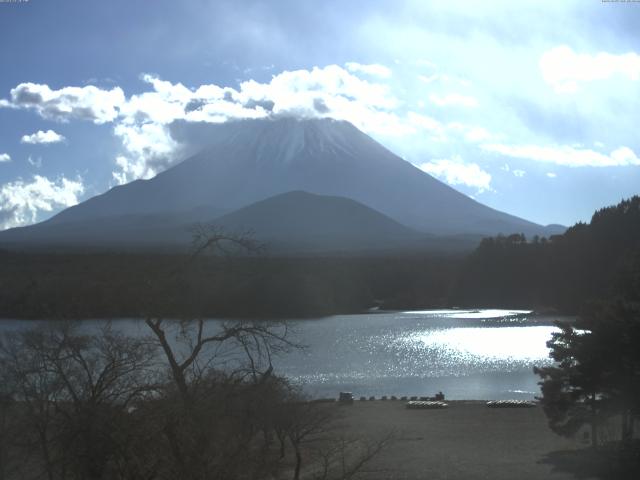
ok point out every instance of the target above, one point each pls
(483, 314)
(468, 354)
(489, 343)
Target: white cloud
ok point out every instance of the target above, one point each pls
(131, 169)
(444, 78)
(331, 91)
(519, 173)
(567, 156)
(454, 99)
(430, 78)
(150, 149)
(21, 201)
(37, 162)
(551, 175)
(477, 134)
(423, 62)
(565, 70)
(320, 92)
(143, 121)
(5, 157)
(372, 69)
(423, 122)
(471, 133)
(456, 172)
(83, 103)
(42, 137)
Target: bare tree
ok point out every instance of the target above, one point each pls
(73, 390)
(344, 458)
(218, 372)
(213, 240)
(314, 430)
(193, 349)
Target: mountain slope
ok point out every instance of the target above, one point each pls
(289, 222)
(251, 160)
(151, 230)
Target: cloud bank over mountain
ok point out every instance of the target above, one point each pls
(460, 87)
(141, 121)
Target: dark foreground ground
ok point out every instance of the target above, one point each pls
(468, 441)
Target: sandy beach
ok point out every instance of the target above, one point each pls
(467, 440)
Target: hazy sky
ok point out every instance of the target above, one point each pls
(529, 107)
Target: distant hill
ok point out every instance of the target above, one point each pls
(252, 160)
(304, 221)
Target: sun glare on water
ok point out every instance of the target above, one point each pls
(506, 343)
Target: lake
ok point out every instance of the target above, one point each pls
(467, 354)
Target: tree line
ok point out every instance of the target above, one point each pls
(116, 285)
(598, 260)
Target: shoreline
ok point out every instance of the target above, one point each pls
(467, 440)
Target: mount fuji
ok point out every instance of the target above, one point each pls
(249, 161)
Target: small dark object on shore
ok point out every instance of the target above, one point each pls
(346, 398)
(404, 398)
(363, 399)
(414, 398)
(372, 398)
(393, 397)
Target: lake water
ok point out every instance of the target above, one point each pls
(470, 354)
(467, 354)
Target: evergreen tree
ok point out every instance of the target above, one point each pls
(597, 371)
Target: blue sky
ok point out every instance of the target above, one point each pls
(528, 107)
